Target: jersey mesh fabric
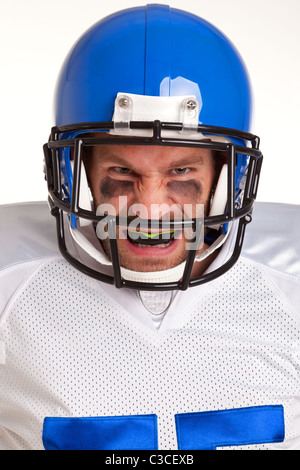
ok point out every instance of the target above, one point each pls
(72, 350)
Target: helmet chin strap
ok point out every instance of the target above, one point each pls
(168, 275)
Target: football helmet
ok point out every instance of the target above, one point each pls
(155, 76)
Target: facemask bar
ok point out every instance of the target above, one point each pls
(60, 139)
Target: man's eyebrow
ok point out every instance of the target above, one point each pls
(113, 158)
(187, 161)
(180, 163)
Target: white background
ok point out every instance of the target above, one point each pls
(36, 35)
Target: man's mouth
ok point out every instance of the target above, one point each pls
(143, 239)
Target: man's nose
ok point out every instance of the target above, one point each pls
(150, 188)
(151, 193)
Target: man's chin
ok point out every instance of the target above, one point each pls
(147, 267)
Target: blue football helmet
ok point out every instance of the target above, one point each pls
(151, 75)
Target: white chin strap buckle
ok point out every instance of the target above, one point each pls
(130, 107)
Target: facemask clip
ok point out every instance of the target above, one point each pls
(189, 115)
(123, 113)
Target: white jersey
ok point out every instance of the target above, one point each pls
(84, 366)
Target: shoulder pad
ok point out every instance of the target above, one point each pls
(27, 232)
(273, 237)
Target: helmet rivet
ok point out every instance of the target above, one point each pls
(191, 104)
(123, 102)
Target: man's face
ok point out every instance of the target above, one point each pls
(151, 177)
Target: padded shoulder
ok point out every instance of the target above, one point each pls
(273, 237)
(27, 232)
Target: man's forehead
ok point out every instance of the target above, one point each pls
(139, 153)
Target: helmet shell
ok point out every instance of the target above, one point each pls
(158, 51)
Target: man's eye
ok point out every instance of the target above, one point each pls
(181, 171)
(122, 170)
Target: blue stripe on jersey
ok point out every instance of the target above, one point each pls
(101, 433)
(235, 427)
